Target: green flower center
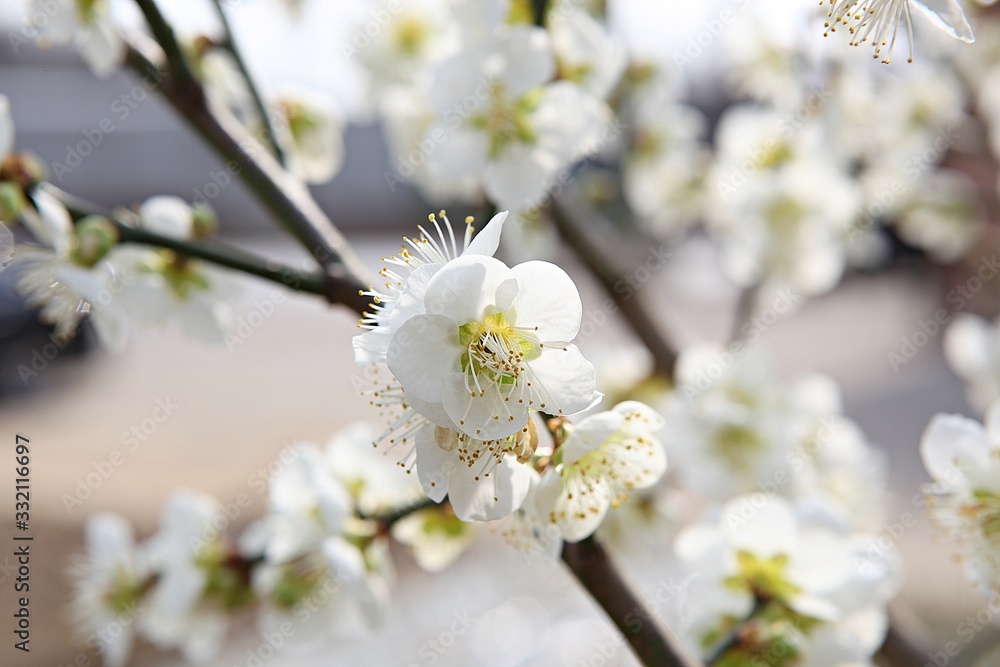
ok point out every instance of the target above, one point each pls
(124, 593)
(298, 579)
(87, 10)
(183, 275)
(495, 350)
(985, 511)
(736, 444)
(411, 34)
(506, 121)
(763, 577)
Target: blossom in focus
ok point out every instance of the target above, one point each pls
(606, 457)
(108, 583)
(879, 21)
(962, 456)
(493, 344)
(88, 24)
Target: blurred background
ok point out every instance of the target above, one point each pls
(237, 409)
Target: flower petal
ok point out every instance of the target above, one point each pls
(548, 299)
(423, 354)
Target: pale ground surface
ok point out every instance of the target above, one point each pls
(236, 410)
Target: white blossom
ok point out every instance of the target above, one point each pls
(86, 23)
(606, 457)
(962, 456)
(109, 583)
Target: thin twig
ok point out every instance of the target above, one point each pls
(576, 235)
(286, 197)
(746, 304)
(652, 643)
(229, 43)
(210, 251)
(732, 640)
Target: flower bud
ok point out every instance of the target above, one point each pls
(204, 222)
(93, 238)
(12, 201)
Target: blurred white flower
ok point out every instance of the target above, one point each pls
(194, 594)
(972, 348)
(606, 457)
(663, 173)
(311, 133)
(88, 23)
(733, 425)
(791, 582)
(585, 52)
(878, 21)
(782, 201)
(164, 287)
(69, 275)
(962, 456)
(321, 564)
(109, 583)
(499, 119)
(943, 216)
(435, 537)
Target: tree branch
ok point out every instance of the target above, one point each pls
(611, 278)
(214, 252)
(284, 196)
(653, 644)
(229, 43)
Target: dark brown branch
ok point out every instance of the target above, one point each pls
(611, 277)
(654, 645)
(900, 648)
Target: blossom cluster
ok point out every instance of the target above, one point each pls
(316, 562)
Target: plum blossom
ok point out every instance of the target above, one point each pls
(88, 24)
(109, 583)
(316, 552)
(165, 287)
(962, 456)
(972, 348)
(472, 346)
(195, 592)
(798, 588)
(878, 21)
(606, 457)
